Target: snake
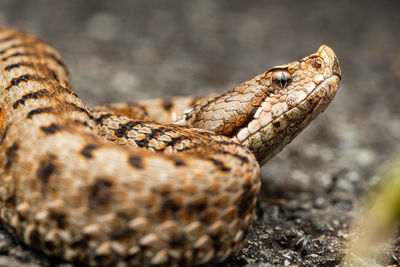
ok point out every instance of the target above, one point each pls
(162, 182)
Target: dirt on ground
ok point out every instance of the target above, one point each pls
(133, 50)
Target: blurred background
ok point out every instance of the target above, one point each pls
(133, 50)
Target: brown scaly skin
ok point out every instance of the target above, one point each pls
(88, 188)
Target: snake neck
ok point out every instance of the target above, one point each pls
(229, 112)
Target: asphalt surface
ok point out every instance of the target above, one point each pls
(132, 50)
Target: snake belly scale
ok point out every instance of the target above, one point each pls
(144, 183)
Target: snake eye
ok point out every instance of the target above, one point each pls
(280, 79)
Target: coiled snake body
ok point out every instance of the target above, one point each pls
(108, 187)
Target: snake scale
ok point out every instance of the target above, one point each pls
(154, 183)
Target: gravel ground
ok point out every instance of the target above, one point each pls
(119, 50)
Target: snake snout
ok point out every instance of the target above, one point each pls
(331, 60)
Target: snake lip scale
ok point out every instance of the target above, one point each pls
(162, 182)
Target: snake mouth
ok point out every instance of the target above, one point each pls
(330, 85)
(336, 69)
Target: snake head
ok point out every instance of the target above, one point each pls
(297, 93)
(268, 111)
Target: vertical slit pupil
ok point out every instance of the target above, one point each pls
(283, 80)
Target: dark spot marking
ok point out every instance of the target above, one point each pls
(4, 135)
(45, 170)
(167, 104)
(245, 202)
(87, 151)
(136, 161)
(79, 109)
(26, 44)
(8, 38)
(243, 159)
(81, 243)
(124, 128)
(129, 125)
(100, 119)
(32, 95)
(54, 75)
(60, 218)
(45, 55)
(58, 61)
(198, 205)
(157, 132)
(178, 241)
(176, 140)
(33, 238)
(36, 66)
(8, 48)
(249, 118)
(178, 162)
(39, 94)
(84, 123)
(14, 66)
(188, 116)
(99, 192)
(276, 123)
(220, 165)
(142, 143)
(17, 80)
(122, 234)
(76, 107)
(50, 245)
(11, 154)
(171, 204)
(11, 202)
(38, 111)
(50, 129)
(63, 90)
(17, 55)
